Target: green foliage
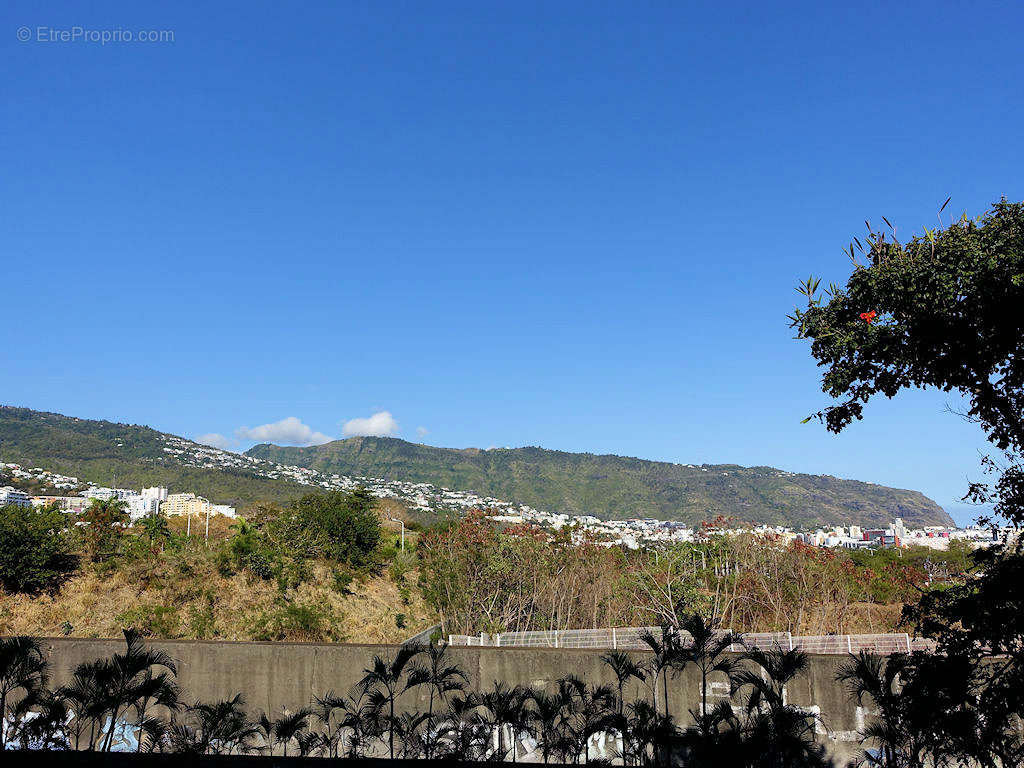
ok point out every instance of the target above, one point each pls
(610, 486)
(201, 618)
(948, 307)
(248, 549)
(105, 521)
(342, 581)
(942, 311)
(35, 553)
(310, 622)
(282, 543)
(401, 565)
(337, 525)
(152, 620)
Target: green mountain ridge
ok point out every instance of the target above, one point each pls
(610, 486)
(128, 455)
(109, 453)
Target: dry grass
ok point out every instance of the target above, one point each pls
(185, 596)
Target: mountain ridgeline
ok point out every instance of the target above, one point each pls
(618, 486)
(126, 455)
(109, 453)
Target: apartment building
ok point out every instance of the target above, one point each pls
(185, 504)
(13, 497)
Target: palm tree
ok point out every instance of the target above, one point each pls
(503, 707)
(46, 728)
(356, 720)
(323, 710)
(158, 690)
(648, 732)
(717, 740)
(408, 727)
(707, 651)
(520, 722)
(596, 714)
(156, 734)
(441, 679)
(309, 742)
(290, 726)
(778, 735)
(154, 528)
(225, 725)
(583, 711)
(780, 668)
(546, 717)
(459, 736)
(625, 669)
(384, 682)
(131, 679)
(665, 648)
(87, 696)
(23, 667)
(900, 727)
(265, 727)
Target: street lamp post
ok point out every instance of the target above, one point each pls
(402, 523)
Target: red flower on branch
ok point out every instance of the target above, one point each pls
(868, 317)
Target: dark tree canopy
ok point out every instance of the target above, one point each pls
(339, 525)
(35, 553)
(944, 310)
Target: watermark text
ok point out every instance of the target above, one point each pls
(110, 36)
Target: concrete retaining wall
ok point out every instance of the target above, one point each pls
(272, 676)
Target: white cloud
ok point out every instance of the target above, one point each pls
(422, 431)
(381, 424)
(289, 431)
(217, 440)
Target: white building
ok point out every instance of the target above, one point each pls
(13, 497)
(157, 493)
(139, 507)
(64, 503)
(96, 492)
(222, 509)
(105, 494)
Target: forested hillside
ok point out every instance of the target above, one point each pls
(127, 455)
(107, 453)
(619, 486)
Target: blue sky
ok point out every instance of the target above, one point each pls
(573, 225)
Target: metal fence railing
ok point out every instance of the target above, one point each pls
(629, 638)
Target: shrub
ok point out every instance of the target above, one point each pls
(248, 549)
(35, 554)
(297, 621)
(402, 564)
(340, 526)
(342, 581)
(152, 620)
(201, 619)
(105, 523)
